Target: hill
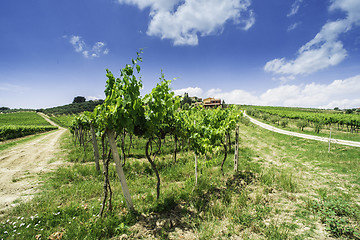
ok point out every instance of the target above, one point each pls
(72, 108)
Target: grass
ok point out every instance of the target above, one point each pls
(286, 188)
(63, 120)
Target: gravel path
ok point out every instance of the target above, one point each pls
(323, 139)
(20, 166)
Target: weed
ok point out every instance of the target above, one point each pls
(339, 216)
(276, 231)
(284, 179)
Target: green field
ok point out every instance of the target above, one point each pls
(19, 124)
(22, 119)
(63, 120)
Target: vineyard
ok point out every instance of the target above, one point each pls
(63, 120)
(19, 124)
(188, 174)
(153, 117)
(318, 120)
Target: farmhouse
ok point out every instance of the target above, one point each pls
(211, 102)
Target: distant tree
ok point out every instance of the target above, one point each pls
(301, 124)
(336, 109)
(79, 99)
(186, 99)
(4, 108)
(349, 111)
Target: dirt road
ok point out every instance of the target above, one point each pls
(323, 139)
(20, 166)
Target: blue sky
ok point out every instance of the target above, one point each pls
(302, 53)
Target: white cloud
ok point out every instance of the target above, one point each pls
(351, 7)
(324, 49)
(183, 21)
(339, 93)
(93, 98)
(192, 91)
(80, 46)
(293, 26)
(294, 8)
(238, 96)
(212, 92)
(77, 43)
(284, 79)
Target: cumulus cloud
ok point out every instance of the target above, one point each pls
(183, 21)
(192, 91)
(213, 92)
(324, 49)
(339, 93)
(94, 51)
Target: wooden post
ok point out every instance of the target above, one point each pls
(119, 169)
(95, 147)
(123, 148)
(175, 147)
(329, 141)
(196, 174)
(236, 155)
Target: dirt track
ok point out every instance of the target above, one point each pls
(20, 165)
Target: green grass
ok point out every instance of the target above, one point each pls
(63, 120)
(284, 189)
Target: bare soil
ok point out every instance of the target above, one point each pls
(21, 165)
